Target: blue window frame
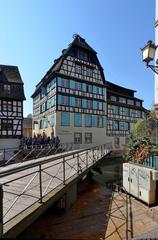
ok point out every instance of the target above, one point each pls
(59, 81)
(72, 84)
(95, 105)
(94, 89)
(59, 99)
(104, 122)
(94, 120)
(78, 120)
(84, 103)
(88, 120)
(65, 119)
(84, 87)
(72, 102)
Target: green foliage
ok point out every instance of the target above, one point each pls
(142, 139)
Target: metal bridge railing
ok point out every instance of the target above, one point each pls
(24, 184)
(11, 155)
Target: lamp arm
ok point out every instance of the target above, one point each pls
(153, 67)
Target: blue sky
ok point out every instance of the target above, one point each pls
(34, 32)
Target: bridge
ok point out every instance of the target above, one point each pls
(30, 187)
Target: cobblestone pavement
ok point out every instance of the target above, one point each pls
(98, 214)
(150, 235)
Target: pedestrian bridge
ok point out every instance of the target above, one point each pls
(28, 188)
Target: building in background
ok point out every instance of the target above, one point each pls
(70, 100)
(123, 110)
(27, 127)
(11, 106)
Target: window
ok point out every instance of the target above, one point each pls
(113, 98)
(89, 104)
(100, 122)
(84, 87)
(94, 120)
(94, 89)
(116, 142)
(50, 102)
(72, 84)
(84, 103)
(88, 120)
(78, 120)
(82, 55)
(100, 106)
(65, 83)
(65, 119)
(130, 102)
(43, 92)
(95, 105)
(6, 125)
(115, 125)
(78, 69)
(78, 102)
(138, 103)
(43, 107)
(63, 100)
(114, 110)
(89, 72)
(77, 138)
(4, 105)
(78, 86)
(72, 102)
(7, 88)
(122, 100)
(88, 137)
(10, 106)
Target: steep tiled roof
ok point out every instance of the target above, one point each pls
(9, 75)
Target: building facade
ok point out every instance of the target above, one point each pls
(27, 127)
(123, 110)
(156, 56)
(11, 106)
(70, 100)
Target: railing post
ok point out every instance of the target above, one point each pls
(4, 154)
(78, 164)
(40, 182)
(87, 159)
(1, 211)
(64, 171)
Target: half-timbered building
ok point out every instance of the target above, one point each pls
(11, 106)
(123, 110)
(70, 100)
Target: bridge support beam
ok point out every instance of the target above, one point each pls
(71, 196)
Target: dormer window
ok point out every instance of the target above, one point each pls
(7, 88)
(82, 55)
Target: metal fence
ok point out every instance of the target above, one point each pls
(151, 161)
(26, 183)
(34, 151)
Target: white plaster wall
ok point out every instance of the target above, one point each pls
(156, 55)
(66, 133)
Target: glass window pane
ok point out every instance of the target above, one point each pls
(65, 119)
(78, 120)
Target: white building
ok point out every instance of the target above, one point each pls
(11, 106)
(70, 100)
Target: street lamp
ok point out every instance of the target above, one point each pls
(148, 54)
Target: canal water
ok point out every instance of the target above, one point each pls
(86, 220)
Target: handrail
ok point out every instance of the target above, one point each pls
(39, 160)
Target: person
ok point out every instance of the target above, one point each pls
(57, 142)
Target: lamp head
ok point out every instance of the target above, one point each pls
(148, 52)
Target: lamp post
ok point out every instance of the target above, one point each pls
(148, 55)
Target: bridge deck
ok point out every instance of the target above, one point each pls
(28, 183)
